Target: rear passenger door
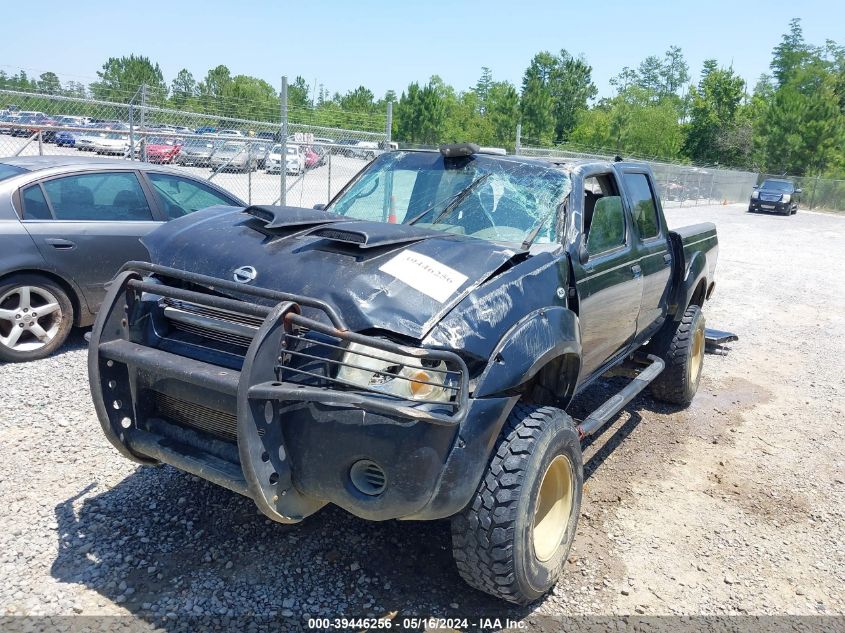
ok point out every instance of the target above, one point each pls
(652, 250)
(87, 225)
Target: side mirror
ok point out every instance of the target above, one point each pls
(797, 191)
(583, 253)
(319, 206)
(756, 187)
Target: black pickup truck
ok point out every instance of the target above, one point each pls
(409, 351)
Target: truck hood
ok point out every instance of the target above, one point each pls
(392, 277)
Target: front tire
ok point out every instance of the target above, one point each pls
(36, 316)
(512, 540)
(684, 357)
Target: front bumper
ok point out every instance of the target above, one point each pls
(766, 206)
(247, 424)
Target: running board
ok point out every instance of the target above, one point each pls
(612, 406)
(715, 339)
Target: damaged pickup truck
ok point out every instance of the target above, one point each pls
(409, 351)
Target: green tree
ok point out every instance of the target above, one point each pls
(358, 100)
(251, 98)
(715, 106)
(790, 54)
(538, 124)
(49, 82)
(121, 77)
(571, 88)
(183, 88)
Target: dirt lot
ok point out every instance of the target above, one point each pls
(732, 506)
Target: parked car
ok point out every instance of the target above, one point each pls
(294, 160)
(365, 149)
(67, 224)
(776, 195)
(236, 156)
(112, 143)
(230, 133)
(206, 129)
(410, 355)
(163, 150)
(197, 152)
(6, 122)
(63, 138)
(314, 156)
(344, 147)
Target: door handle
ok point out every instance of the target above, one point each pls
(637, 270)
(667, 258)
(60, 244)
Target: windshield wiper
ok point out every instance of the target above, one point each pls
(535, 231)
(452, 201)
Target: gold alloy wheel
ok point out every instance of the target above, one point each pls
(554, 505)
(697, 354)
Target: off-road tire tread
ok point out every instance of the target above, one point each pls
(672, 383)
(482, 535)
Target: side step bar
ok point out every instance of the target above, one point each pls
(715, 339)
(612, 406)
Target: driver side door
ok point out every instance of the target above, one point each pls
(609, 283)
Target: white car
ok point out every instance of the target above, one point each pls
(365, 149)
(117, 144)
(294, 160)
(229, 133)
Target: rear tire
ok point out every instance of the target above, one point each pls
(24, 337)
(684, 357)
(512, 540)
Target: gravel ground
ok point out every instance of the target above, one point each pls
(732, 506)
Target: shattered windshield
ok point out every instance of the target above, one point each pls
(482, 196)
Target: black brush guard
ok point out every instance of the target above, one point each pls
(122, 360)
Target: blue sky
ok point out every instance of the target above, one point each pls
(385, 45)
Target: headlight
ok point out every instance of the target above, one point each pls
(403, 376)
(786, 197)
(755, 195)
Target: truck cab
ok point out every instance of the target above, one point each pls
(410, 350)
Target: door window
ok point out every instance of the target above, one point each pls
(35, 206)
(181, 196)
(113, 196)
(642, 205)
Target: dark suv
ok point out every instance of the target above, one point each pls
(779, 196)
(67, 224)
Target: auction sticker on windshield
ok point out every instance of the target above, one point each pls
(424, 274)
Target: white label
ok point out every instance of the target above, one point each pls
(424, 274)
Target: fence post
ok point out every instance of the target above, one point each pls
(143, 123)
(518, 145)
(388, 132)
(40, 142)
(131, 131)
(329, 199)
(813, 195)
(283, 104)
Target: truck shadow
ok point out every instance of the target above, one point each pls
(163, 543)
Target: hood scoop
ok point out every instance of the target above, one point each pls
(373, 234)
(291, 217)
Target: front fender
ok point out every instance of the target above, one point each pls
(529, 345)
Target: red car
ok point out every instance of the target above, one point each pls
(314, 157)
(163, 150)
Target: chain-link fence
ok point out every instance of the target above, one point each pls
(283, 159)
(680, 185)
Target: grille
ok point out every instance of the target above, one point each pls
(211, 323)
(770, 197)
(196, 416)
